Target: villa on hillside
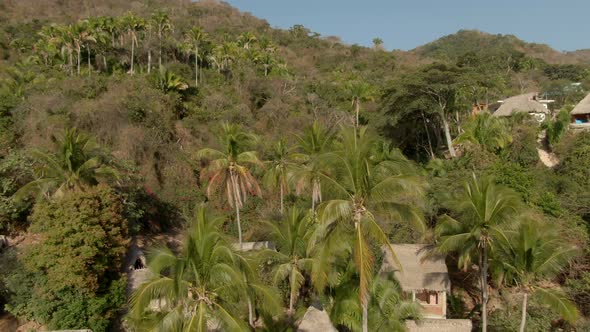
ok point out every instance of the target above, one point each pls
(424, 278)
(526, 103)
(581, 114)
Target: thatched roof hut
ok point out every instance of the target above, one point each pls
(525, 103)
(316, 320)
(439, 325)
(421, 270)
(583, 106)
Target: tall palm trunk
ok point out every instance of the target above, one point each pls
(484, 288)
(196, 66)
(282, 199)
(239, 225)
(149, 69)
(89, 67)
(524, 310)
(160, 48)
(448, 137)
(357, 106)
(365, 306)
(71, 61)
(132, 53)
(291, 293)
(79, 51)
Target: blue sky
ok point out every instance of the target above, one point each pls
(405, 24)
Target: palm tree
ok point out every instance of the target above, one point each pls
(169, 81)
(484, 211)
(293, 257)
(199, 288)
(359, 91)
(196, 36)
(529, 254)
(365, 187)
(75, 164)
(132, 25)
(487, 131)
(279, 169)
(315, 142)
(162, 23)
(388, 312)
(246, 40)
(228, 170)
(82, 36)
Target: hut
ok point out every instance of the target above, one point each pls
(581, 114)
(423, 277)
(439, 325)
(525, 103)
(315, 320)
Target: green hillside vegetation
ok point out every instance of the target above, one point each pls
(196, 128)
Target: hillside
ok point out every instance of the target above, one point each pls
(170, 134)
(453, 46)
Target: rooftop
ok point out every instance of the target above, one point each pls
(421, 269)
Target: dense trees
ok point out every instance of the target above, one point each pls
(288, 128)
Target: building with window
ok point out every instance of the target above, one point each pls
(423, 277)
(581, 114)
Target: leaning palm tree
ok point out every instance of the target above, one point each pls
(293, 257)
(279, 169)
(484, 210)
(76, 163)
(364, 187)
(228, 168)
(198, 289)
(529, 254)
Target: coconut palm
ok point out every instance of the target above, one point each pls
(279, 169)
(132, 25)
(364, 187)
(387, 312)
(315, 142)
(487, 131)
(359, 91)
(293, 257)
(82, 35)
(196, 36)
(228, 168)
(198, 289)
(484, 210)
(529, 254)
(246, 40)
(170, 82)
(75, 164)
(163, 25)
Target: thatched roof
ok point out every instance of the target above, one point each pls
(583, 106)
(316, 320)
(248, 246)
(522, 103)
(439, 325)
(420, 270)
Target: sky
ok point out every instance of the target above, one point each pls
(406, 24)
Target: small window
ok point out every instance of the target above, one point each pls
(427, 297)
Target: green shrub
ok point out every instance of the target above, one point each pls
(71, 278)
